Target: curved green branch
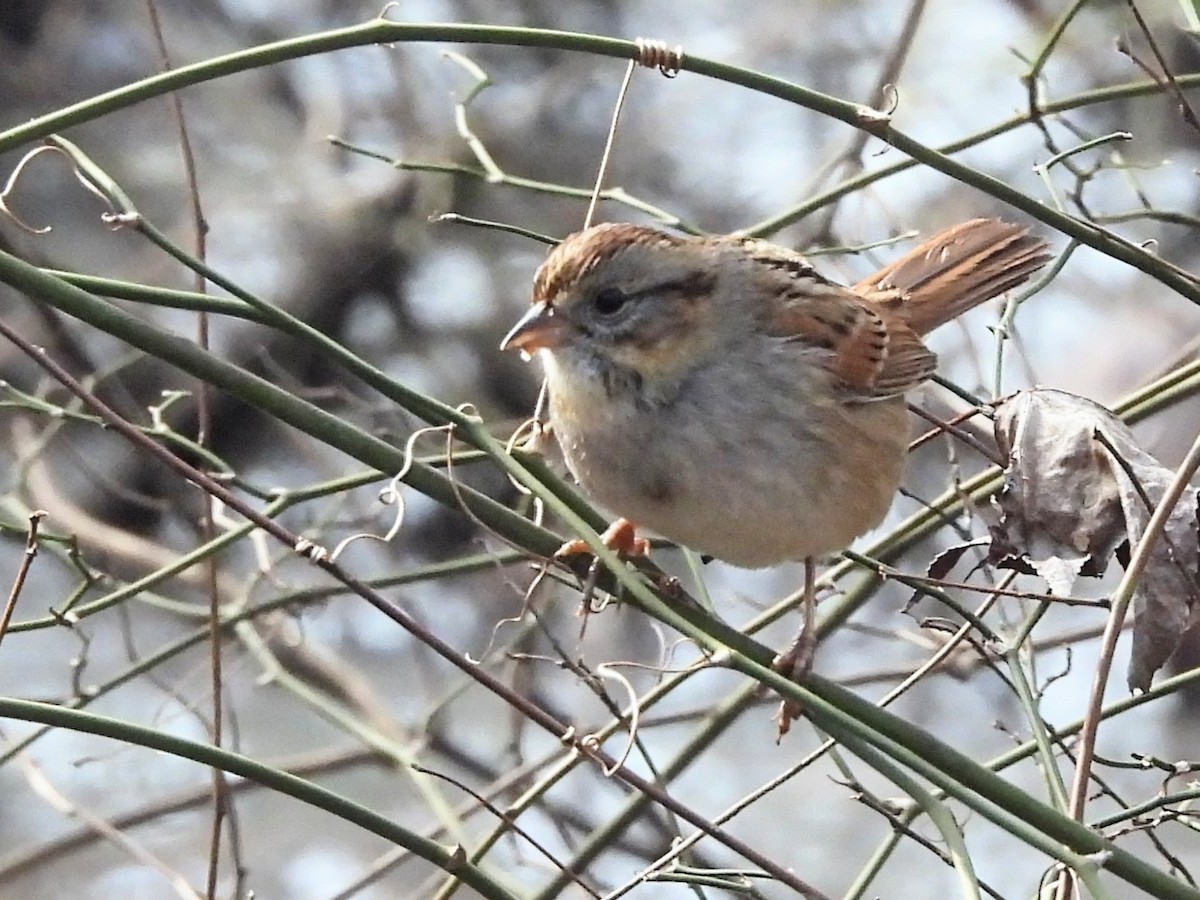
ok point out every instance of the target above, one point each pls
(451, 859)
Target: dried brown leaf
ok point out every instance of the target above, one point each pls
(1060, 505)
(1164, 602)
(1078, 487)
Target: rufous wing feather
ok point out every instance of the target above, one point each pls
(871, 351)
(955, 270)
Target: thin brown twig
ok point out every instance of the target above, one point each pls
(1185, 109)
(1065, 600)
(932, 433)
(988, 453)
(509, 821)
(898, 824)
(221, 796)
(910, 678)
(31, 549)
(892, 66)
(878, 97)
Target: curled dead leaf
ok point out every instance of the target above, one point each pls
(1079, 489)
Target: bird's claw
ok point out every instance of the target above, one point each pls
(621, 537)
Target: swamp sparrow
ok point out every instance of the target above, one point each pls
(720, 392)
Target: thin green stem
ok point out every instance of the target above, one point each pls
(1052, 38)
(866, 179)
(380, 31)
(449, 858)
(932, 806)
(1055, 786)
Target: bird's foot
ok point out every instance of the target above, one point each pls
(621, 537)
(794, 663)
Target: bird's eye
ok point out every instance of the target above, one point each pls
(609, 301)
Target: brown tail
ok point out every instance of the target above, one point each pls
(955, 270)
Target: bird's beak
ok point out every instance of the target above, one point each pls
(540, 328)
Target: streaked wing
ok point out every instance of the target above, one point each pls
(872, 330)
(872, 352)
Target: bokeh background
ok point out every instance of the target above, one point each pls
(345, 241)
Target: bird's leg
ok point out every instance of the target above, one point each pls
(797, 660)
(620, 537)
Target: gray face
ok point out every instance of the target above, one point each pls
(631, 304)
